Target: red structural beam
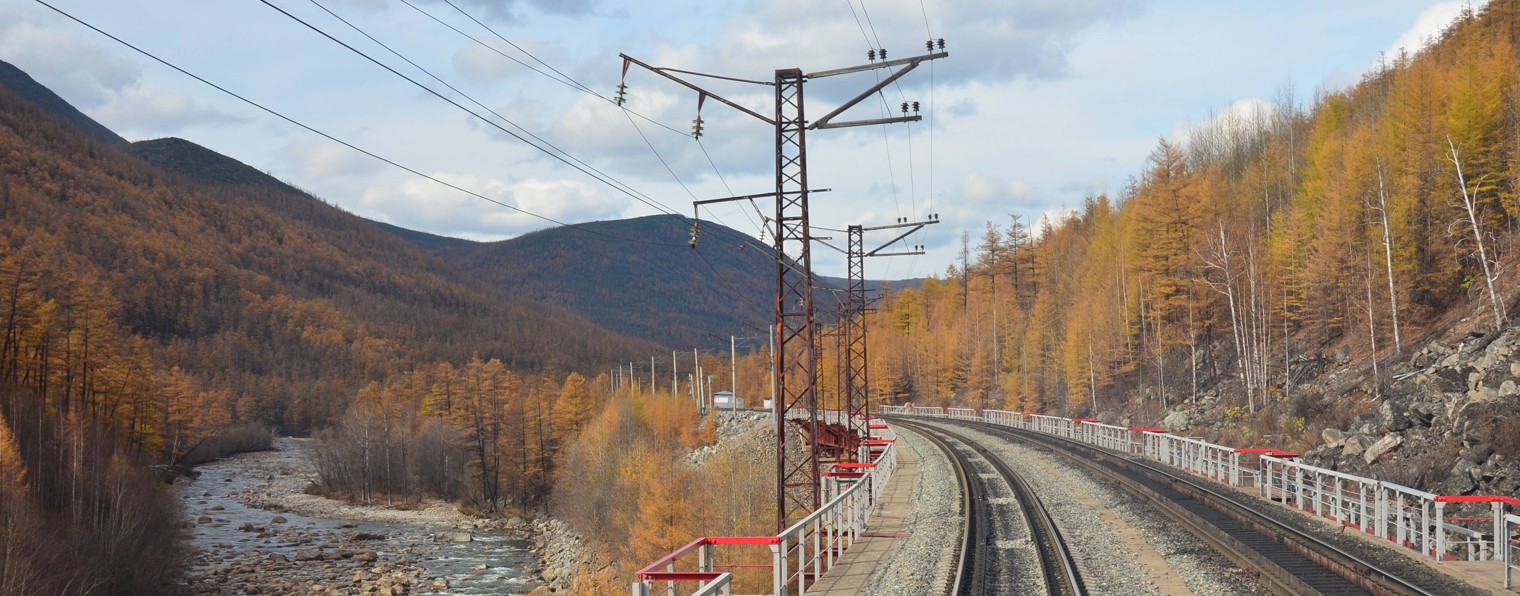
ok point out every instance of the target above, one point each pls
(679, 576)
(1478, 499)
(854, 465)
(1271, 452)
(874, 442)
(653, 571)
(1081, 420)
(1147, 429)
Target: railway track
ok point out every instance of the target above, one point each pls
(1284, 558)
(981, 570)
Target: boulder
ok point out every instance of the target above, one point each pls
(246, 527)
(368, 536)
(1384, 445)
(1393, 416)
(1355, 445)
(203, 520)
(1333, 437)
(279, 519)
(1342, 355)
(453, 537)
(1177, 420)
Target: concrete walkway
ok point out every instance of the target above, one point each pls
(877, 547)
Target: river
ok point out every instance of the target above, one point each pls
(255, 531)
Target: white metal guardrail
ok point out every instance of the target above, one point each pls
(800, 554)
(1409, 517)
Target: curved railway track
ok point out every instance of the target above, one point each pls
(1284, 558)
(977, 564)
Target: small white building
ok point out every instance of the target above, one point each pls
(725, 400)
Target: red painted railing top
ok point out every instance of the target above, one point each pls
(1147, 429)
(1267, 451)
(1478, 499)
(655, 570)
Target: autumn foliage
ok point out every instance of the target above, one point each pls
(1242, 257)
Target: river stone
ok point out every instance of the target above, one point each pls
(1383, 445)
(279, 519)
(246, 527)
(454, 537)
(1333, 437)
(203, 520)
(368, 536)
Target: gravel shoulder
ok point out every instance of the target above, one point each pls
(924, 564)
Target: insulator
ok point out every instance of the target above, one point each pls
(929, 45)
(871, 54)
(622, 93)
(941, 43)
(695, 230)
(915, 107)
(696, 128)
(883, 53)
(905, 107)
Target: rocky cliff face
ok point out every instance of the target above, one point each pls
(1447, 420)
(1443, 417)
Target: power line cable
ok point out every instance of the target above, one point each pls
(600, 175)
(567, 81)
(330, 137)
(571, 81)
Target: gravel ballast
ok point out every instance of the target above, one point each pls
(1094, 517)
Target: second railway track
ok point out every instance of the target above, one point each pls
(1285, 559)
(981, 571)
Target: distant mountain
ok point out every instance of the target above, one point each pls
(639, 276)
(636, 276)
(204, 165)
(27, 88)
(254, 288)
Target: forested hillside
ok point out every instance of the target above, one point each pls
(160, 302)
(282, 304)
(1245, 260)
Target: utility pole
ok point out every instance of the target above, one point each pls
(733, 373)
(852, 317)
(795, 383)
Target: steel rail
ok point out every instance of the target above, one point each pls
(1057, 564)
(1254, 535)
(968, 579)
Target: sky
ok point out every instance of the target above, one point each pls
(1039, 104)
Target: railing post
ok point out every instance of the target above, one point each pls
(1440, 552)
(778, 567)
(1501, 537)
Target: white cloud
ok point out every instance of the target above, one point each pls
(982, 189)
(157, 114)
(81, 71)
(1429, 25)
(425, 205)
(317, 160)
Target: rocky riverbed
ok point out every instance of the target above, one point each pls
(257, 532)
